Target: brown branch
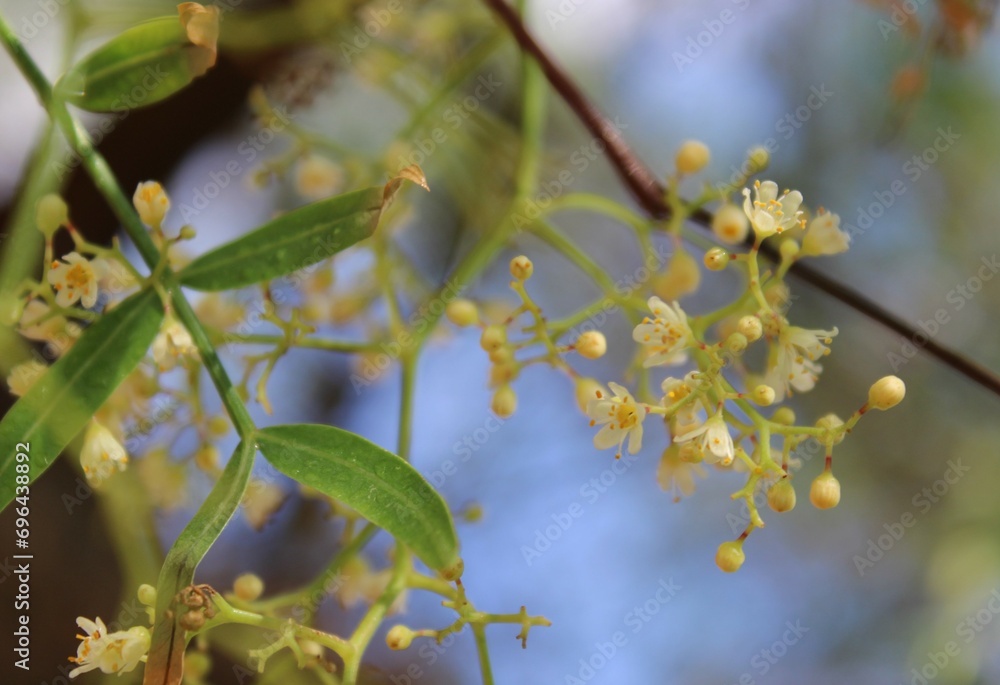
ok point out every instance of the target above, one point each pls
(649, 193)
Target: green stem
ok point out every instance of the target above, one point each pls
(482, 650)
(363, 634)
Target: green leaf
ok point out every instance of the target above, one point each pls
(68, 394)
(165, 664)
(377, 484)
(145, 64)
(291, 242)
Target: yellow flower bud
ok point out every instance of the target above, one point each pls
(784, 416)
(692, 157)
(501, 355)
(716, 259)
(248, 587)
(399, 637)
(504, 402)
(681, 277)
(453, 572)
(736, 343)
(751, 327)
(886, 393)
(788, 249)
(592, 345)
(146, 595)
(587, 389)
(218, 425)
(730, 224)
(521, 268)
(207, 458)
(151, 202)
(825, 491)
(462, 313)
(730, 556)
(831, 422)
(51, 213)
(187, 233)
(493, 337)
(758, 158)
(763, 395)
(781, 496)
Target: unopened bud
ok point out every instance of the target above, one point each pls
(692, 157)
(758, 159)
(730, 556)
(521, 268)
(781, 496)
(751, 327)
(730, 224)
(51, 213)
(832, 422)
(789, 248)
(587, 390)
(825, 491)
(784, 416)
(504, 402)
(763, 395)
(592, 345)
(146, 595)
(716, 259)
(248, 587)
(462, 313)
(886, 393)
(736, 343)
(493, 337)
(399, 637)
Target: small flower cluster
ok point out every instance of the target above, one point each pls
(496, 341)
(740, 361)
(74, 292)
(713, 413)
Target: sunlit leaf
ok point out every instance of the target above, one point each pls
(377, 484)
(141, 66)
(297, 239)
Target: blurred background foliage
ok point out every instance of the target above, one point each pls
(894, 90)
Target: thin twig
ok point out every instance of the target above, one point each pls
(650, 194)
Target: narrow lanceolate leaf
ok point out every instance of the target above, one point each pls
(143, 65)
(377, 484)
(67, 395)
(165, 663)
(297, 239)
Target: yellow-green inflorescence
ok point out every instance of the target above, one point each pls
(739, 364)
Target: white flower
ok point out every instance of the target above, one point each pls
(770, 214)
(25, 375)
(151, 202)
(824, 236)
(667, 335)
(621, 418)
(101, 454)
(261, 501)
(317, 177)
(74, 279)
(795, 366)
(715, 440)
(172, 342)
(118, 652)
(675, 474)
